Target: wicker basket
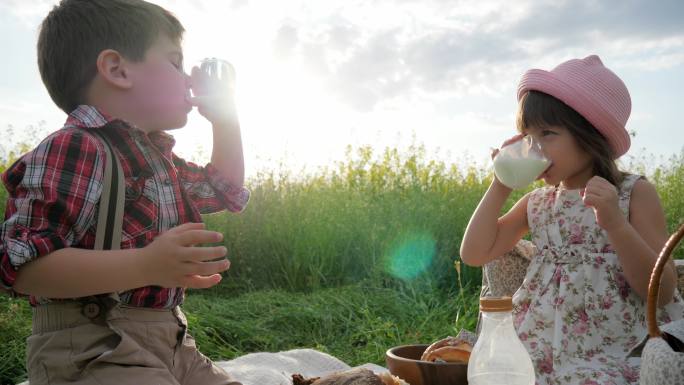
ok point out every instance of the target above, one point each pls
(662, 359)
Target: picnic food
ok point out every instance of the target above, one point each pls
(350, 377)
(450, 349)
(389, 379)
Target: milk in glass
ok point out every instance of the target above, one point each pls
(520, 163)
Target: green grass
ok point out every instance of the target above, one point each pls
(358, 219)
(15, 326)
(390, 220)
(670, 184)
(375, 215)
(361, 219)
(356, 323)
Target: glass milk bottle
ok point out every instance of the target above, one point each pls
(498, 356)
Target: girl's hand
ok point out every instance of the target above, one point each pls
(214, 95)
(602, 196)
(173, 259)
(512, 139)
(506, 143)
(495, 152)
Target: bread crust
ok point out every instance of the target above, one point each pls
(450, 349)
(459, 353)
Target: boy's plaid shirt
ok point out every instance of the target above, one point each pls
(54, 192)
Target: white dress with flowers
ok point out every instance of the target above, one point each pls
(575, 311)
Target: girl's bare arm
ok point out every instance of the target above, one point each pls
(489, 236)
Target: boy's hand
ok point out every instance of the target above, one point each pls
(214, 95)
(173, 260)
(602, 196)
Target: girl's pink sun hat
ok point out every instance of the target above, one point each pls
(592, 90)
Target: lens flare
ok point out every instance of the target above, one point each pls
(412, 256)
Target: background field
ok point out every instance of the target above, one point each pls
(351, 260)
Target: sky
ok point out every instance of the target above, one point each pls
(314, 76)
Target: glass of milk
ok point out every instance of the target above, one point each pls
(218, 68)
(220, 77)
(520, 163)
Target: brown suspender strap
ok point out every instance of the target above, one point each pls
(110, 213)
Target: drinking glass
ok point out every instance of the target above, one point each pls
(520, 163)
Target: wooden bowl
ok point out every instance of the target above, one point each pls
(404, 361)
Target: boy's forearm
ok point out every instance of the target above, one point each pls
(74, 273)
(227, 154)
(481, 232)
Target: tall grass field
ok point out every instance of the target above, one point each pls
(351, 260)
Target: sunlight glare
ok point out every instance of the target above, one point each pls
(412, 256)
(282, 103)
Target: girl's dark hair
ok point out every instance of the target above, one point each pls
(541, 110)
(75, 32)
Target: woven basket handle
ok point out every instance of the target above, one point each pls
(654, 283)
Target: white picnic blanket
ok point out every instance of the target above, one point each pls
(277, 368)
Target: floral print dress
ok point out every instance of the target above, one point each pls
(575, 311)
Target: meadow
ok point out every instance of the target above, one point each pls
(351, 259)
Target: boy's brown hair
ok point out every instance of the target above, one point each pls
(540, 110)
(75, 32)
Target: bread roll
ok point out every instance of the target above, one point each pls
(450, 349)
(459, 353)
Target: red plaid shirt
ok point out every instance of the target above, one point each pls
(54, 193)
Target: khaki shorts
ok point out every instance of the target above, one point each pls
(105, 343)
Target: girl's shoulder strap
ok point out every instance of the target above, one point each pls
(625, 191)
(629, 180)
(542, 193)
(537, 201)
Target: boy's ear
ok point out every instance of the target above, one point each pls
(113, 68)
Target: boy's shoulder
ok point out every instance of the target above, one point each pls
(63, 148)
(65, 159)
(70, 138)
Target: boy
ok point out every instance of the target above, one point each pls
(116, 67)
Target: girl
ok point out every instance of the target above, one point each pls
(598, 231)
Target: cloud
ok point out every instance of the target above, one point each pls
(474, 48)
(209, 6)
(364, 64)
(570, 21)
(367, 52)
(28, 12)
